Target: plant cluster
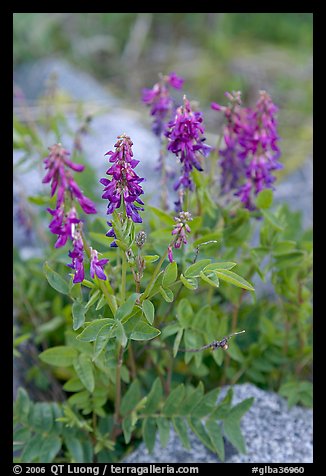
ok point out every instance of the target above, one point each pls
(136, 332)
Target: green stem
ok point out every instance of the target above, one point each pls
(132, 363)
(186, 200)
(164, 192)
(123, 277)
(109, 298)
(117, 403)
(153, 278)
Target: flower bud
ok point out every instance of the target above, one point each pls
(140, 239)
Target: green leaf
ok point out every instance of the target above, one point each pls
(154, 397)
(173, 401)
(149, 432)
(184, 313)
(194, 270)
(163, 216)
(190, 283)
(144, 331)
(126, 307)
(32, 449)
(235, 279)
(177, 341)
(50, 447)
(151, 258)
(215, 236)
(89, 334)
(92, 300)
(120, 334)
(55, 280)
(170, 274)
(283, 247)
(73, 385)
(101, 303)
(149, 310)
(272, 220)
(181, 429)
(224, 406)
(292, 258)
(78, 314)
(80, 399)
(121, 244)
(199, 430)
(233, 433)
(59, 356)
(170, 329)
(41, 417)
(127, 428)
(22, 405)
(39, 200)
(88, 284)
(84, 370)
(191, 401)
(100, 238)
(130, 398)
(207, 404)
(221, 265)
(264, 198)
(75, 448)
(102, 339)
(50, 326)
(241, 408)
(210, 278)
(21, 435)
(235, 353)
(167, 294)
(215, 434)
(163, 425)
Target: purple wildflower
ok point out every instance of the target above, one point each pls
(251, 151)
(58, 164)
(63, 224)
(97, 265)
(170, 254)
(77, 255)
(232, 163)
(162, 104)
(175, 81)
(179, 230)
(186, 141)
(124, 185)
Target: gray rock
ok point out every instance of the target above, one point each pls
(273, 434)
(32, 77)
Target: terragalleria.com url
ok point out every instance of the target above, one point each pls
(112, 469)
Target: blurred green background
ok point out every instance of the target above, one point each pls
(214, 52)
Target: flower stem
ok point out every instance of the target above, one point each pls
(123, 277)
(164, 192)
(152, 280)
(109, 298)
(132, 363)
(116, 417)
(234, 325)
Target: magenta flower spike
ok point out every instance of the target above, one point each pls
(58, 164)
(186, 141)
(160, 101)
(179, 231)
(125, 183)
(77, 255)
(251, 151)
(65, 222)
